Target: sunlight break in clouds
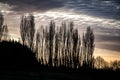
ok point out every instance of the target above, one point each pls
(5, 8)
(81, 19)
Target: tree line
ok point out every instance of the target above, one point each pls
(58, 46)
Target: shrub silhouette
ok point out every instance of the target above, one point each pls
(13, 54)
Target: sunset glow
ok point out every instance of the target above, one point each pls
(108, 55)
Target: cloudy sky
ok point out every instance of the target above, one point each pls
(102, 15)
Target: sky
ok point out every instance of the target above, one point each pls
(103, 16)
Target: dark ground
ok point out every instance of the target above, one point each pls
(47, 75)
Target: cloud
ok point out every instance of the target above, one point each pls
(33, 5)
(81, 19)
(101, 8)
(5, 8)
(108, 42)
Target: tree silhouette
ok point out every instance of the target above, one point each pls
(1, 25)
(37, 44)
(115, 65)
(23, 29)
(55, 58)
(5, 31)
(100, 63)
(64, 32)
(27, 29)
(75, 43)
(88, 47)
(51, 36)
(3, 28)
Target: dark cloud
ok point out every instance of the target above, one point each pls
(101, 8)
(104, 8)
(33, 5)
(108, 40)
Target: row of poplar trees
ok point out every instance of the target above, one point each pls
(58, 46)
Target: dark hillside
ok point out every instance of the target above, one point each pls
(13, 54)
